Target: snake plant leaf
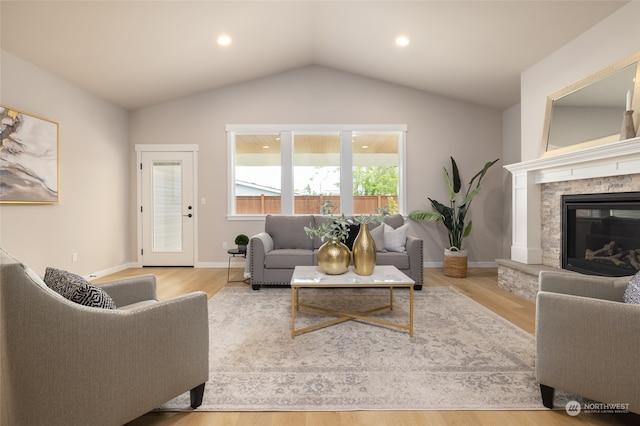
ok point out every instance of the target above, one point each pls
(470, 196)
(447, 213)
(467, 230)
(425, 215)
(482, 172)
(457, 183)
(450, 186)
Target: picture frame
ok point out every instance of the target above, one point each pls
(29, 168)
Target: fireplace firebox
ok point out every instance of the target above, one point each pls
(601, 233)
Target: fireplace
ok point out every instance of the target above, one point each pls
(601, 233)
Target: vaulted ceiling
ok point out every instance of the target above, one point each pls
(138, 53)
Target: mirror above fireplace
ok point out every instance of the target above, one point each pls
(590, 111)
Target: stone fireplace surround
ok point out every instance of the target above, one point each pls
(537, 187)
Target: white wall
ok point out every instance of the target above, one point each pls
(437, 128)
(92, 217)
(607, 42)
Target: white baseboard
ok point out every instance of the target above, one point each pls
(110, 271)
(219, 264)
(224, 265)
(470, 265)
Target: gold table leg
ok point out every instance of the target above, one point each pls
(346, 316)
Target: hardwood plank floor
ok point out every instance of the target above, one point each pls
(480, 285)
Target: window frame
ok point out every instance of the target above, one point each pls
(287, 133)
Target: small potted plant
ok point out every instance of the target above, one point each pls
(241, 241)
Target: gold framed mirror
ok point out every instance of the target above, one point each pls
(590, 111)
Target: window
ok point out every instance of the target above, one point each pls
(257, 169)
(316, 172)
(376, 171)
(315, 169)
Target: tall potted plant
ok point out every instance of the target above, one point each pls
(453, 217)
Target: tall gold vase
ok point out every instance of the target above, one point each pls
(333, 257)
(364, 251)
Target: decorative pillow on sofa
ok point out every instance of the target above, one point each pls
(395, 239)
(77, 289)
(377, 234)
(632, 293)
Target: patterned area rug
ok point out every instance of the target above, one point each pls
(462, 356)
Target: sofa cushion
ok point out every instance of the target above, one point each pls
(288, 232)
(288, 258)
(77, 289)
(399, 260)
(395, 239)
(632, 293)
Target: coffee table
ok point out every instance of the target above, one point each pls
(383, 276)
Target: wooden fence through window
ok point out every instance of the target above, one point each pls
(310, 204)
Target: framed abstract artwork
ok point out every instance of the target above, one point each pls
(28, 158)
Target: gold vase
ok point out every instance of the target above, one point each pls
(333, 257)
(364, 251)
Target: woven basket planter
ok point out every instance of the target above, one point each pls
(455, 263)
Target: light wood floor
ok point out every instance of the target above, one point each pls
(481, 285)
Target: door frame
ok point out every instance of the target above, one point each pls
(140, 148)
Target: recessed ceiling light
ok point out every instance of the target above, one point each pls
(402, 41)
(365, 146)
(266, 146)
(224, 40)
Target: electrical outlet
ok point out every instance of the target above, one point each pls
(224, 245)
(74, 257)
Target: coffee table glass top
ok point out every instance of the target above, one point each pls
(383, 275)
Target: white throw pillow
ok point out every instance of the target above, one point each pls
(395, 239)
(377, 234)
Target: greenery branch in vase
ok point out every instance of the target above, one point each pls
(454, 215)
(333, 255)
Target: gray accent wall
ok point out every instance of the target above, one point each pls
(438, 127)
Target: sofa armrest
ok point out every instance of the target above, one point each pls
(606, 288)
(259, 245)
(588, 347)
(414, 247)
(128, 291)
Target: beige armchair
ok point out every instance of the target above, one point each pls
(587, 339)
(67, 364)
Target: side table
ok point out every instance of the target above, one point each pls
(233, 253)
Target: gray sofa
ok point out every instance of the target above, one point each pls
(274, 253)
(66, 363)
(587, 339)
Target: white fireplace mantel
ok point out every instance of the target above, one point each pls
(613, 159)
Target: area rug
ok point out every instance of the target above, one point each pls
(462, 356)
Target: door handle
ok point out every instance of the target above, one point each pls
(187, 215)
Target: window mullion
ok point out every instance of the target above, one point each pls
(346, 172)
(286, 143)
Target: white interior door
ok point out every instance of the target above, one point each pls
(168, 209)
